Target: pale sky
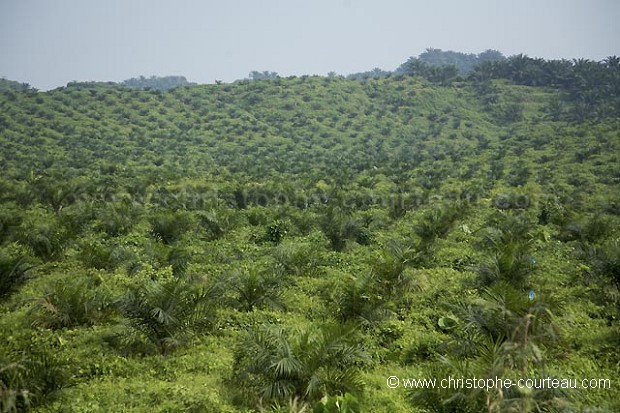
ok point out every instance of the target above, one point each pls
(48, 43)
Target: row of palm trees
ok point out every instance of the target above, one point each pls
(591, 88)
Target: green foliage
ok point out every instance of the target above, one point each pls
(438, 221)
(118, 218)
(14, 271)
(265, 75)
(298, 257)
(215, 223)
(391, 266)
(587, 86)
(360, 301)
(7, 85)
(70, 303)
(508, 257)
(505, 334)
(102, 255)
(276, 231)
(39, 378)
(12, 393)
(346, 403)
(31, 377)
(339, 227)
(10, 220)
(41, 233)
(156, 82)
(606, 260)
(589, 230)
(255, 288)
(276, 364)
(164, 312)
(179, 258)
(419, 207)
(511, 262)
(170, 226)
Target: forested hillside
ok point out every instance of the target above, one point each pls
(286, 245)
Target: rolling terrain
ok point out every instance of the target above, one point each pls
(289, 244)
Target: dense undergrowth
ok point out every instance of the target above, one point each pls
(287, 245)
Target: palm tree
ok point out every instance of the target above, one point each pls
(503, 332)
(390, 267)
(512, 262)
(253, 288)
(13, 273)
(360, 301)
(165, 312)
(169, 226)
(437, 222)
(13, 394)
(339, 226)
(69, 303)
(276, 365)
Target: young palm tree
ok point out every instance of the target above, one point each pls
(390, 267)
(69, 303)
(27, 382)
(339, 227)
(43, 235)
(13, 273)
(503, 330)
(360, 301)
(276, 365)
(169, 226)
(437, 222)
(253, 288)
(511, 262)
(165, 312)
(508, 258)
(13, 394)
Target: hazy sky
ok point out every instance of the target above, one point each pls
(48, 43)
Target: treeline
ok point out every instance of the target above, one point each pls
(157, 83)
(435, 64)
(590, 89)
(12, 86)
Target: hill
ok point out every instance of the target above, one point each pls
(275, 244)
(11, 85)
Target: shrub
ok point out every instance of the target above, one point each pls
(102, 255)
(297, 257)
(589, 230)
(178, 258)
(339, 227)
(30, 381)
(391, 265)
(605, 260)
(552, 212)
(215, 223)
(10, 220)
(276, 231)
